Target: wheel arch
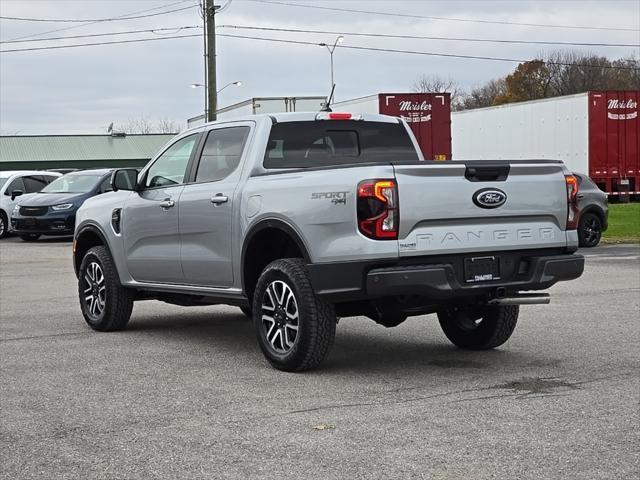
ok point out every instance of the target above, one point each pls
(596, 210)
(86, 237)
(266, 241)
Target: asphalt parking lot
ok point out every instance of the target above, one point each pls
(185, 392)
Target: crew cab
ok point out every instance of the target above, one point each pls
(304, 218)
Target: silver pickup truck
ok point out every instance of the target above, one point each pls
(301, 219)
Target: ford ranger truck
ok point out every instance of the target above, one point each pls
(301, 219)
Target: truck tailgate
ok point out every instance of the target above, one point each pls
(438, 213)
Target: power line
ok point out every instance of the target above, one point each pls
(91, 23)
(99, 20)
(56, 47)
(128, 32)
(421, 37)
(415, 52)
(446, 19)
(341, 46)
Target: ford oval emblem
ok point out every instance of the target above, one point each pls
(489, 198)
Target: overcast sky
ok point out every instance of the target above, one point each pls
(83, 90)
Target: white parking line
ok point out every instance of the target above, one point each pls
(613, 257)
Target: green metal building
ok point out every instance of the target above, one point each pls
(47, 152)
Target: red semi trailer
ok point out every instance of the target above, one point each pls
(428, 115)
(596, 133)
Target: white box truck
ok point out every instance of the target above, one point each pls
(265, 105)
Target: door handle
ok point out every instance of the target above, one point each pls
(580, 195)
(219, 199)
(168, 203)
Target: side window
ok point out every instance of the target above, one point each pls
(105, 185)
(16, 184)
(33, 184)
(221, 153)
(170, 167)
(48, 179)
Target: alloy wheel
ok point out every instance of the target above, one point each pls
(95, 291)
(592, 230)
(279, 312)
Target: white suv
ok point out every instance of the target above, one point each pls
(19, 182)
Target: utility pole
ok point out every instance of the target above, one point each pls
(210, 32)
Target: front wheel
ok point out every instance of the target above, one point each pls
(106, 305)
(479, 327)
(4, 224)
(295, 329)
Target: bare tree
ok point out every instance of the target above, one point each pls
(573, 72)
(164, 125)
(436, 84)
(145, 126)
(627, 76)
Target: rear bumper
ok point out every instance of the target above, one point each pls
(441, 278)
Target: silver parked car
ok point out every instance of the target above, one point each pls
(594, 211)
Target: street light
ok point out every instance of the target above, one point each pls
(197, 85)
(237, 84)
(332, 49)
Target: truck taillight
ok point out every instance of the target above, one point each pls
(378, 215)
(572, 205)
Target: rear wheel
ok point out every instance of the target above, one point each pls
(479, 328)
(106, 305)
(30, 237)
(589, 230)
(4, 224)
(295, 329)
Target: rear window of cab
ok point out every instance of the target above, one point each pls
(337, 142)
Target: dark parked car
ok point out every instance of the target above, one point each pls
(52, 211)
(594, 211)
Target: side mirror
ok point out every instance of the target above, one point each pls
(124, 179)
(16, 193)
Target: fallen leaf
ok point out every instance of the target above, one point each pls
(323, 426)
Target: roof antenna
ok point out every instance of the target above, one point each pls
(327, 107)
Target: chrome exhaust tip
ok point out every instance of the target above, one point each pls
(523, 299)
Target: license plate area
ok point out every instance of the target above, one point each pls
(30, 222)
(481, 269)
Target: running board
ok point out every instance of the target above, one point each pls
(523, 299)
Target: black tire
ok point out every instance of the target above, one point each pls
(589, 230)
(4, 224)
(315, 320)
(479, 328)
(30, 237)
(247, 311)
(117, 301)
